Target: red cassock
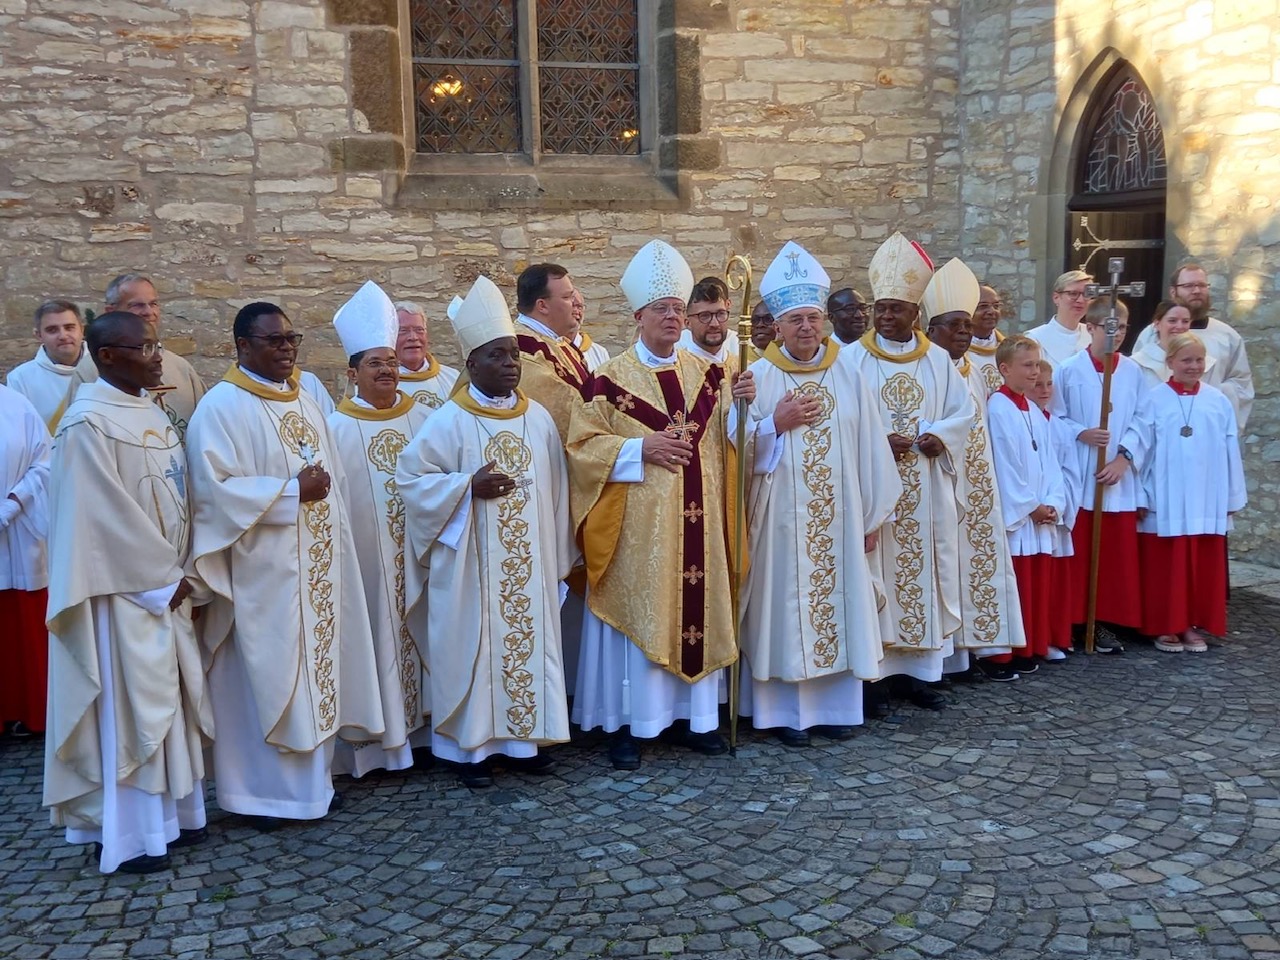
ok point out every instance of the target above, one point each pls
(24, 677)
(1119, 586)
(1184, 584)
(1044, 615)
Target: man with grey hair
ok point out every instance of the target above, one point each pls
(182, 387)
(61, 363)
(422, 376)
(593, 353)
(1064, 334)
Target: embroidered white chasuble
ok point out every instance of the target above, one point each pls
(989, 605)
(811, 607)
(286, 582)
(369, 442)
(120, 525)
(919, 391)
(431, 385)
(982, 354)
(493, 567)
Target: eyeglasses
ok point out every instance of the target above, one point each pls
(1074, 294)
(666, 310)
(277, 340)
(1191, 286)
(993, 304)
(711, 316)
(148, 349)
(377, 366)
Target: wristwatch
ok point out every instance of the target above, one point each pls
(1125, 453)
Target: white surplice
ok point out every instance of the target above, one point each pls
(1028, 472)
(51, 386)
(917, 558)
(1077, 398)
(1057, 343)
(493, 569)
(127, 690)
(1225, 348)
(369, 442)
(309, 382)
(431, 384)
(25, 446)
(594, 355)
(287, 634)
(1190, 484)
(811, 632)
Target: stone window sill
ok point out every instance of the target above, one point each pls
(516, 183)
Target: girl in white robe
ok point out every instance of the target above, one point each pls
(1192, 483)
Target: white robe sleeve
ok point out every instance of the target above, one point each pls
(629, 466)
(768, 444)
(1018, 495)
(1237, 382)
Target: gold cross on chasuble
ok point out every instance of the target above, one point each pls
(682, 428)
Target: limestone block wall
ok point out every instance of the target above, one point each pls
(210, 143)
(1214, 71)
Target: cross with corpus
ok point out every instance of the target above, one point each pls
(1138, 288)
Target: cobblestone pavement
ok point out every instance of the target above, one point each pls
(1110, 807)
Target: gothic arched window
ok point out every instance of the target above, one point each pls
(1124, 149)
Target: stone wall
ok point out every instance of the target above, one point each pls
(1213, 69)
(210, 143)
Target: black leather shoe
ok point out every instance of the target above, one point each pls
(926, 698)
(335, 804)
(190, 838)
(876, 710)
(145, 864)
(539, 765)
(423, 758)
(475, 775)
(833, 732)
(791, 737)
(624, 752)
(1025, 665)
(266, 824)
(709, 744)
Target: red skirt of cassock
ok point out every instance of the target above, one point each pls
(1184, 584)
(24, 677)
(1044, 615)
(1119, 587)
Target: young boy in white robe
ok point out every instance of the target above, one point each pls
(128, 713)
(1033, 497)
(1078, 399)
(369, 430)
(486, 495)
(1192, 483)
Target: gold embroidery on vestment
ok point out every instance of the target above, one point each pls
(821, 507)
(693, 574)
(991, 376)
(510, 456)
(981, 536)
(693, 512)
(692, 635)
(297, 433)
(428, 399)
(903, 396)
(320, 595)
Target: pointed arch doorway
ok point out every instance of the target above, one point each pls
(1119, 177)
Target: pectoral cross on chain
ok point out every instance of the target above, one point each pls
(682, 428)
(524, 481)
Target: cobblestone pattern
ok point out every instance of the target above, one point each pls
(1114, 808)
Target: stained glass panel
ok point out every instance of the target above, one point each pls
(587, 31)
(1126, 150)
(465, 108)
(589, 111)
(464, 29)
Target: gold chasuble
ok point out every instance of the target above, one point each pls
(637, 538)
(920, 391)
(492, 568)
(369, 441)
(811, 608)
(431, 385)
(983, 358)
(287, 587)
(554, 373)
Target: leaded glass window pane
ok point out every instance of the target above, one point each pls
(466, 75)
(1126, 149)
(589, 76)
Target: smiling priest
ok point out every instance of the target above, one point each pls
(486, 505)
(370, 429)
(811, 634)
(287, 636)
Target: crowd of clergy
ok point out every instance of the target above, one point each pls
(250, 584)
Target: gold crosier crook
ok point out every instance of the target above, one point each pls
(737, 275)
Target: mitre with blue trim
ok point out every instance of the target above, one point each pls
(656, 272)
(367, 321)
(953, 288)
(794, 280)
(899, 271)
(482, 317)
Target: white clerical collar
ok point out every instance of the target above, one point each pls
(360, 401)
(651, 359)
(893, 346)
(282, 387)
(425, 365)
(693, 347)
(985, 341)
(494, 403)
(537, 326)
(816, 359)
